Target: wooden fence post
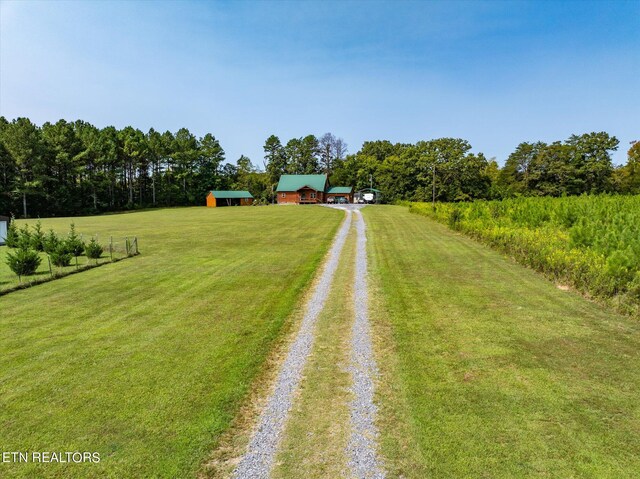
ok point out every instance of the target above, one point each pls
(111, 248)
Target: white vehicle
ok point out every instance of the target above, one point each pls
(368, 198)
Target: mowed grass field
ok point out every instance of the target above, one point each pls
(490, 370)
(487, 368)
(147, 360)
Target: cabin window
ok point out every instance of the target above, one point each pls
(284, 195)
(313, 195)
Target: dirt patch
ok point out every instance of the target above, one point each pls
(468, 376)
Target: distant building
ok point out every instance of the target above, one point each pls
(229, 198)
(4, 228)
(311, 189)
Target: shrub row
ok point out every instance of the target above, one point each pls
(28, 243)
(589, 242)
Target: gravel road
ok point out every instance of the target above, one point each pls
(258, 460)
(361, 449)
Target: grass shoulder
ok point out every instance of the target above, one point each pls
(503, 373)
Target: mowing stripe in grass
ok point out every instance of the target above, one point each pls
(258, 460)
(363, 459)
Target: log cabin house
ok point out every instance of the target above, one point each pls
(311, 189)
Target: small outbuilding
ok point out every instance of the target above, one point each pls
(340, 194)
(229, 198)
(4, 228)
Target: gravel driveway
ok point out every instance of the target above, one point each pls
(363, 460)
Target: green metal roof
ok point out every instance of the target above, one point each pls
(231, 194)
(345, 190)
(295, 182)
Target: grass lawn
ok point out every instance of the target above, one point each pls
(488, 369)
(146, 361)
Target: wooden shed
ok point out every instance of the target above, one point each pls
(4, 227)
(229, 198)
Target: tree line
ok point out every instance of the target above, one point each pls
(445, 169)
(70, 168)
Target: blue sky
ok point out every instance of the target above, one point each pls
(494, 73)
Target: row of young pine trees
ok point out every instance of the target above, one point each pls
(27, 244)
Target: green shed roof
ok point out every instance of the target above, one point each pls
(295, 182)
(231, 194)
(345, 190)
